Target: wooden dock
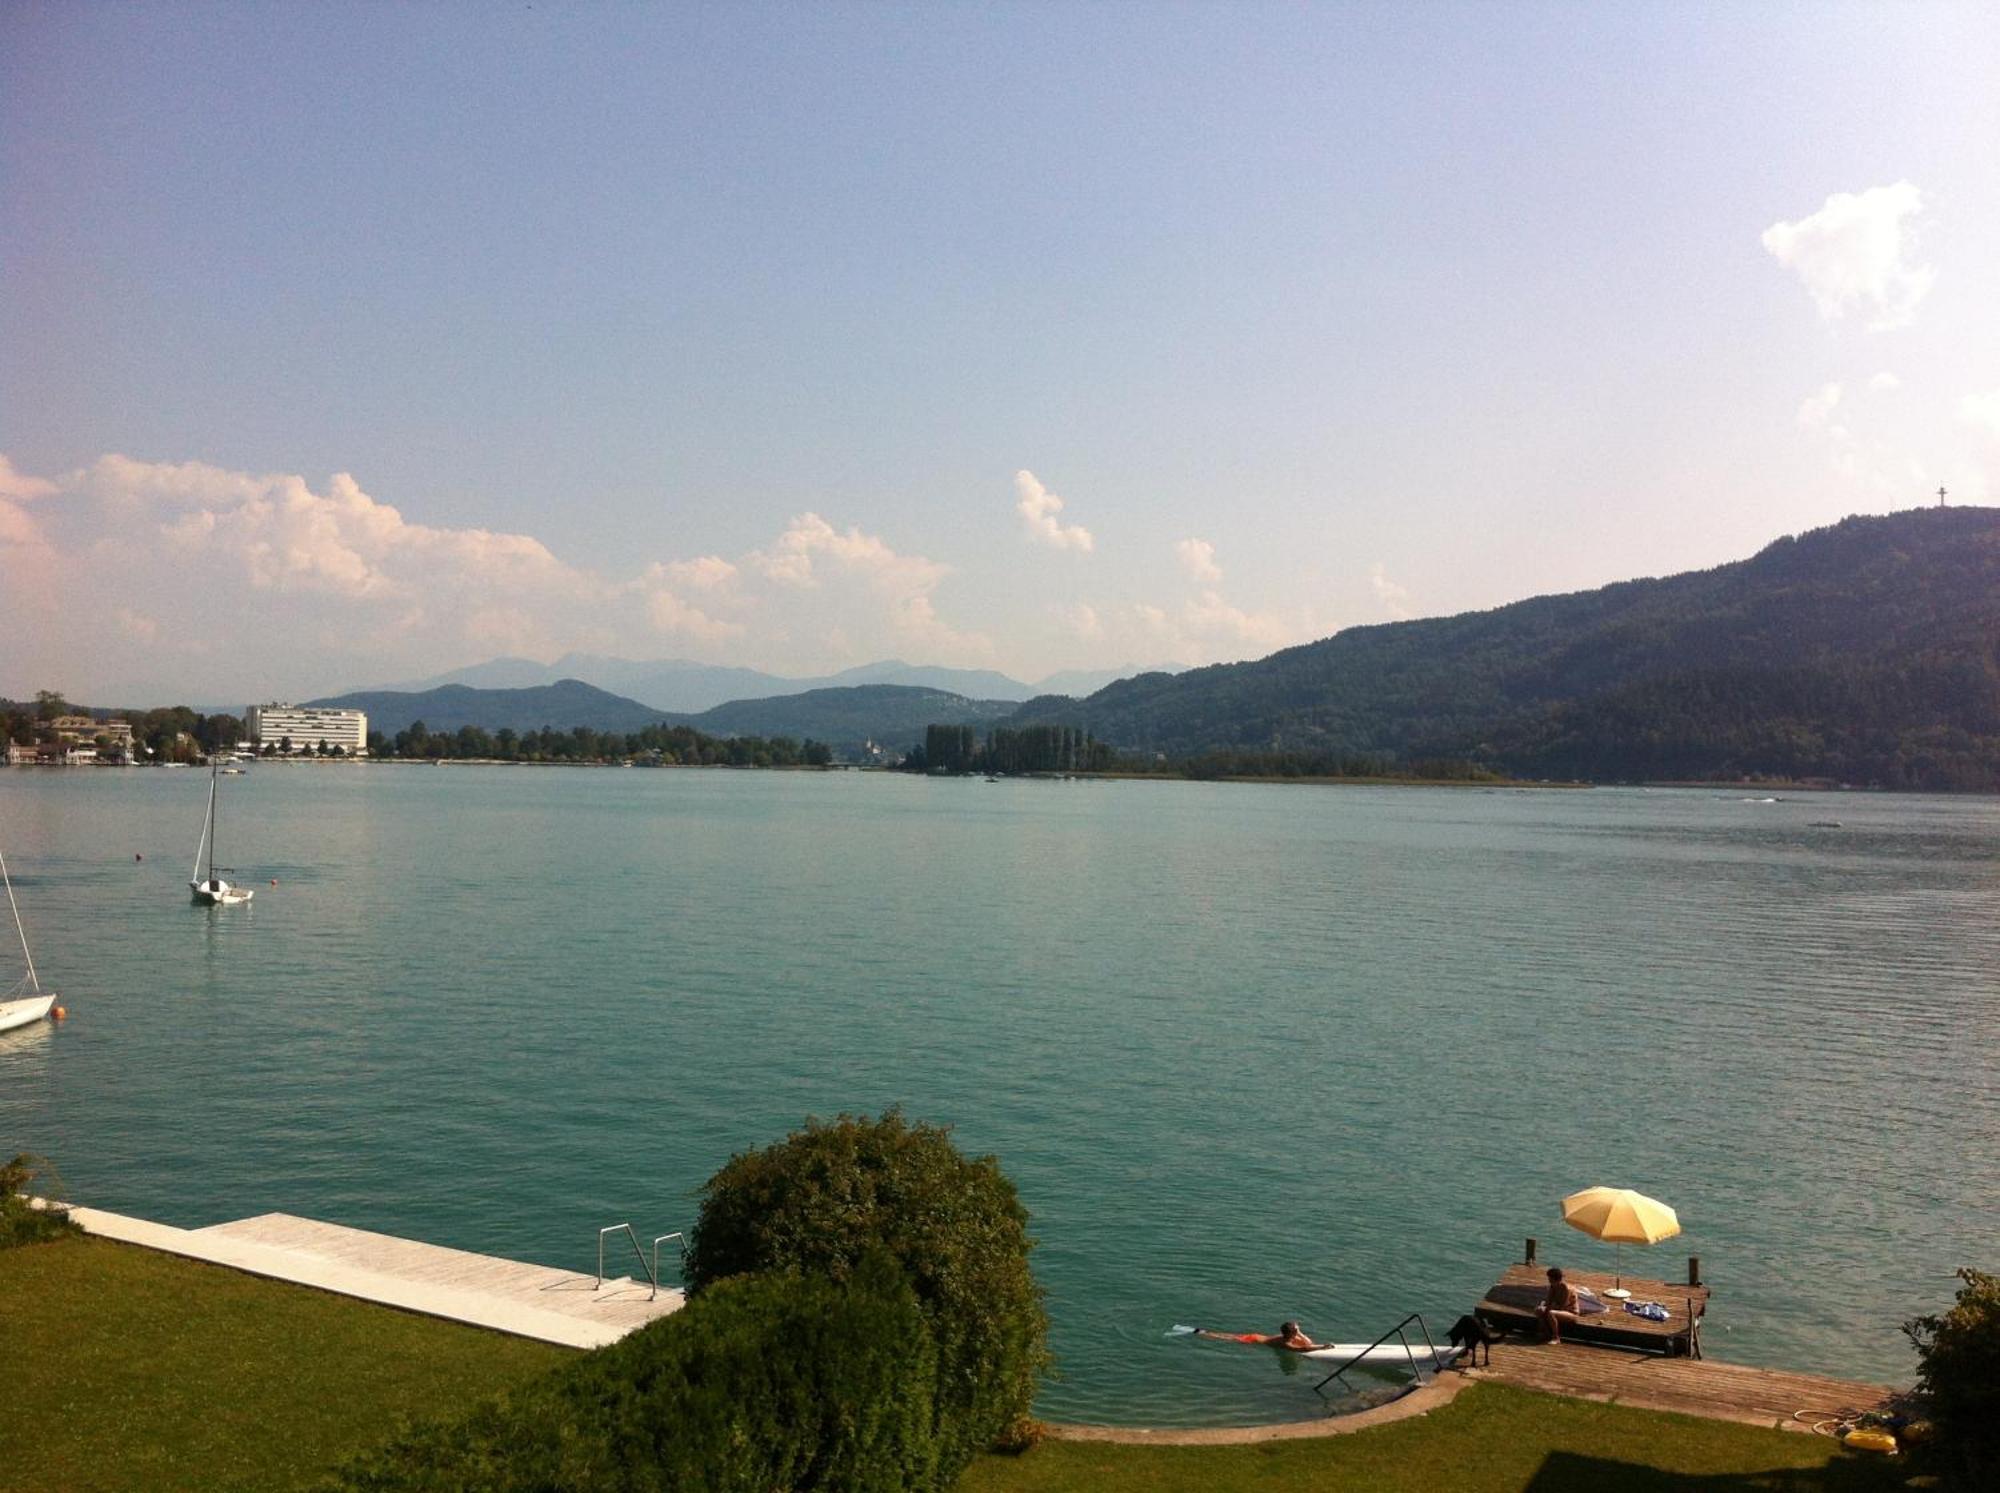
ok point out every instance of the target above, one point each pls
(1618, 1358)
(1510, 1306)
(1704, 1387)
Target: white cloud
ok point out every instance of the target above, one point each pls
(706, 573)
(1856, 254)
(325, 588)
(136, 624)
(1209, 618)
(1816, 409)
(669, 612)
(1038, 508)
(1211, 628)
(1198, 559)
(810, 538)
(1885, 382)
(1080, 619)
(1982, 412)
(1394, 599)
(18, 486)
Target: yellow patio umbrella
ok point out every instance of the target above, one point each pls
(1620, 1216)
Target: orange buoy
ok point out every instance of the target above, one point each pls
(60, 1013)
(274, 881)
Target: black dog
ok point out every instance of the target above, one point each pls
(1471, 1334)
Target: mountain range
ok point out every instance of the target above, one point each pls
(1865, 652)
(848, 718)
(679, 686)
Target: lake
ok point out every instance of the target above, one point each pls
(1249, 1052)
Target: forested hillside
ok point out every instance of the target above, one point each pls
(566, 703)
(1866, 652)
(892, 715)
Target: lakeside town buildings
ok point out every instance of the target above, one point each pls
(302, 729)
(274, 729)
(72, 740)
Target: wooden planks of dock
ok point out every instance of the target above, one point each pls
(1511, 1303)
(1704, 1387)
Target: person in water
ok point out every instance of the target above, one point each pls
(1289, 1335)
(1561, 1305)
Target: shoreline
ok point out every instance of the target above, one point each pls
(403, 1274)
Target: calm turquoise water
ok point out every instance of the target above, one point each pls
(1249, 1052)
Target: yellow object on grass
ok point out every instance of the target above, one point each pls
(1869, 1439)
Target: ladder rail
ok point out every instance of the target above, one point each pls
(652, 1274)
(682, 1238)
(1409, 1352)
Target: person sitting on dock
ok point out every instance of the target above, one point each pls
(1289, 1335)
(1563, 1305)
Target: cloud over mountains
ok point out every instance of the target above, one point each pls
(1857, 255)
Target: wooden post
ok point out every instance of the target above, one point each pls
(1694, 1270)
(1531, 1253)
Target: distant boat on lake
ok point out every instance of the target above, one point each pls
(27, 1001)
(212, 890)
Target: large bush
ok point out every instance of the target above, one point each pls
(1958, 1368)
(820, 1200)
(770, 1382)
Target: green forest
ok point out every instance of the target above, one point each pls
(655, 746)
(960, 749)
(1865, 653)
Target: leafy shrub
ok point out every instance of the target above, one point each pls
(1958, 1368)
(763, 1383)
(21, 1222)
(820, 1200)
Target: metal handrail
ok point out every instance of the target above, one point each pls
(1395, 1332)
(651, 1274)
(676, 1234)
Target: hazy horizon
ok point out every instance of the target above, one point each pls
(348, 344)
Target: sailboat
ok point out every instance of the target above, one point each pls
(211, 890)
(26, 1002)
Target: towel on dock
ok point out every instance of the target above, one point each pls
(1652, 1311)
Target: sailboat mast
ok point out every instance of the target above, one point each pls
(214, 778)
(33, 978)
(207, 828)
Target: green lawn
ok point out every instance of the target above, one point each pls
(124, 1368)
(129, 1369)
(1491, 1438)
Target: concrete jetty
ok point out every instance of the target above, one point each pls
(511, 1296)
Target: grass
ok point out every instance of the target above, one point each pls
(130, 1369)
(1491, 1438)
(126, 1368)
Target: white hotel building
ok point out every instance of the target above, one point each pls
(306, 726)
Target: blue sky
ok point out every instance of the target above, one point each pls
(354, 342)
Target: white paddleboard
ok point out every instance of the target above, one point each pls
(1382, 1355)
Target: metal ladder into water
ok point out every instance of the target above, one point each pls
(652, 1269)
(1409, 1354)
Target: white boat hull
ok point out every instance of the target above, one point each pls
(218, 893)
(21, 1012)
(1383, 1356)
